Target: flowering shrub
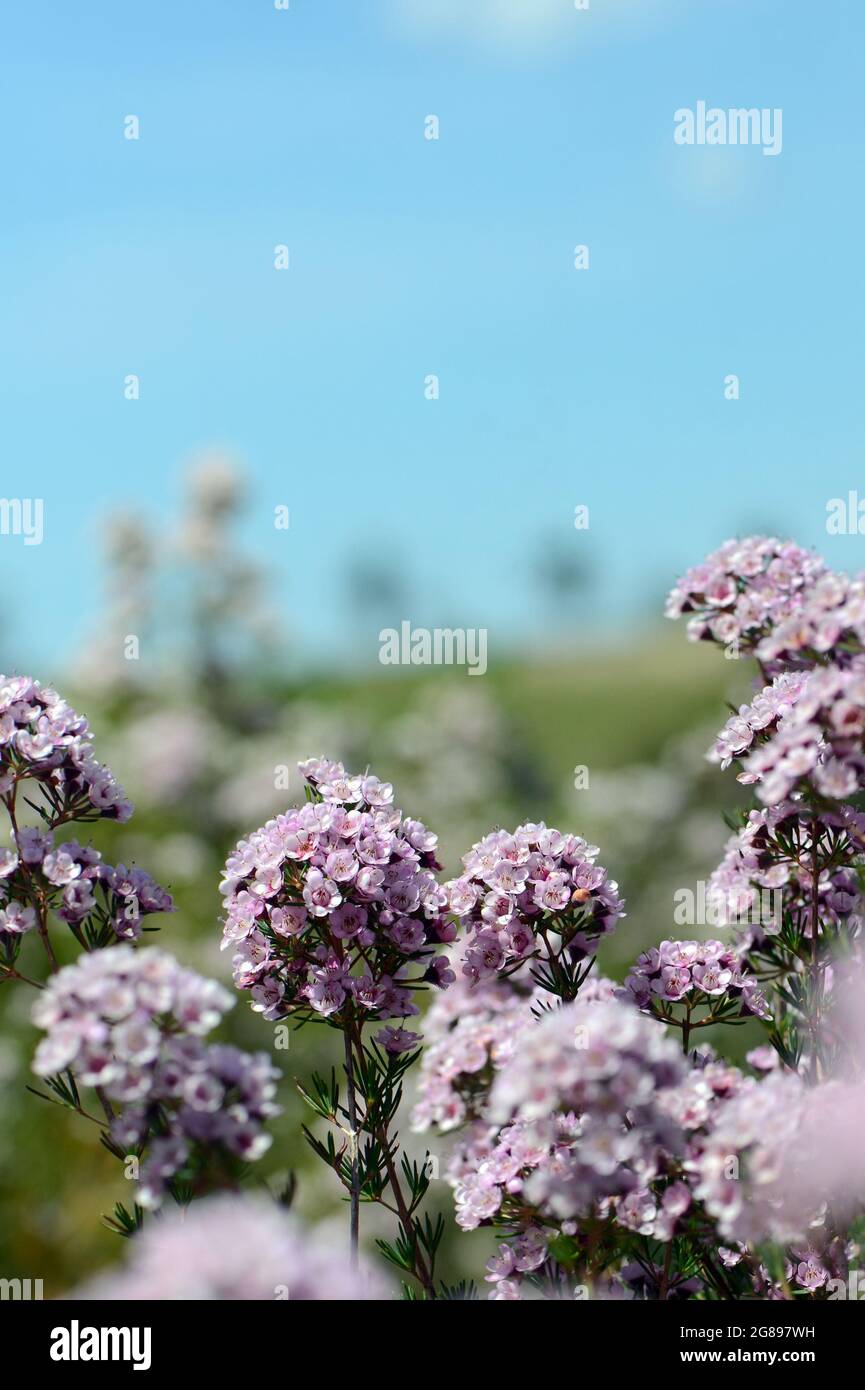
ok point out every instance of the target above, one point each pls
(182, 1115)
(334, 914)
(46, 753)
(607, 1155)
(619, 1170)
(131, 1024)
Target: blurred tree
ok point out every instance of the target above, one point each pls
(563, 575)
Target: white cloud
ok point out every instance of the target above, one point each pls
(712, 175)
(500, 22)
(517, 25)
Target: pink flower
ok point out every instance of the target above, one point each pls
(674, 982)
(408, 935)
(16, 919)
(553, 893)
(711, 978)
(347, 920)
(320, 894)
(396, 1040)
(811, 1274)
(326, 996)
(289, 921)
(341, 865)
(8, 862)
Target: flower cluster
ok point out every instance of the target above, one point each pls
(704, 974)
(518, 888)
(581, 1139)
(805, 1268)
(515, 1259)
(491, 1165)
(766, 875)
(693, 1103)
(775, 600)
(738, 1171)
(473, 1031)
(235, 1248)
(73, 881)
(765, 1157)
(818, 737)
(754, 1161)
(757, 718)
(132, 1025)
(747, 589)
(652, 1212)
(486, 1022)
(329, 906)
(585, 1082)
(829, 622)
(42, 737)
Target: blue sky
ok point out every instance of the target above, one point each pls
(411, 257)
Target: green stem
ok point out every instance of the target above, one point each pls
(355, 1157)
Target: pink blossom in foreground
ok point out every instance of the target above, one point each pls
(738, 1171)
(473, 1031)
(605, 1065)
(243, 1248)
